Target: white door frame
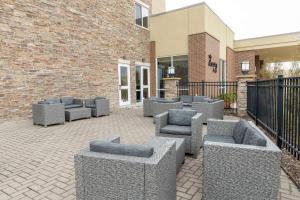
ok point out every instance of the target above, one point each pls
(121, 103)
(141, 90)
(142, 80)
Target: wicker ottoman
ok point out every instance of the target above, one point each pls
(180, 148)
(77, 113)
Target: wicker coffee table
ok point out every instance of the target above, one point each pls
(180, 148)
(77, 113)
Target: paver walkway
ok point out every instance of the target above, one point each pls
(37, 162)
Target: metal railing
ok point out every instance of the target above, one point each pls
(275, 105)
(214, 90)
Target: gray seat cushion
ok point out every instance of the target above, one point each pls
(67, 100)
(240, 130)
(176, 130)
(219, 138)
(73, 106)
(253, 137)
(52, 101)
(186, 99)
(121, 149)
(199, 98)
(181, 117)
(90, 105)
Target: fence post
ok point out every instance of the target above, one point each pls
(202, 84)
(256, 101)
(279, 109)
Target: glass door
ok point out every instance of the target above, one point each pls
(124, 84)
(142, 83)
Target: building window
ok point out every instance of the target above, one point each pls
(223, 70)
(181, 71)
(141, 15)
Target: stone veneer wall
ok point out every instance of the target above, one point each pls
(200, 46)
(65, 48)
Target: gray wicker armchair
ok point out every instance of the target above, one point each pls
(240, 162)
(48, 113)
(104, 175)
(163, 106)
(181, 123)
(210, 109)
(99, 106)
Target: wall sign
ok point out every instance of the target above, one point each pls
(212, 64)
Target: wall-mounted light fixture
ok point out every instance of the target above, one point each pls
(143, 60)
(124, 58)
(245, 67)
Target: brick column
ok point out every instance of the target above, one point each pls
(171, 87)
(242, 93)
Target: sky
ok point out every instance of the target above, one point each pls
(252, 18)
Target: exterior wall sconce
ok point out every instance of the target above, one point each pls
(245, 67)
(124, 58)
(212, 64)
(171, 71)
(143, 60)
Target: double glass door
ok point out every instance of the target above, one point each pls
(142, 83)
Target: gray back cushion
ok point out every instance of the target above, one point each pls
(121, 149)
(181, 117)
(199, 98)
(67, 100)
(186, 99)
(240, 130)
(253, 137)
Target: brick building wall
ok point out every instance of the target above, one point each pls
(230, 59)
(65, 48)
(244, 56)
(202, 45)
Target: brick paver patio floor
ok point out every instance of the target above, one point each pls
(37, 162)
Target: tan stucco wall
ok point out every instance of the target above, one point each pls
(158, 6)
(282, 40)
(170, 30)
(218, 29)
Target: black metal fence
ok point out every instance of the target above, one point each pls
(214, 90)
(275, 104)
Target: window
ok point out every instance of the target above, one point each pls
(141, 15)
(181, 71)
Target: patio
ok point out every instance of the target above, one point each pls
(37, 162)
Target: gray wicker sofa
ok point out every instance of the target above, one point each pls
(148, 106)
(187, 100)
(181, 123)
(98, 105)
(210, 109)
(240, 162)
(109, 170)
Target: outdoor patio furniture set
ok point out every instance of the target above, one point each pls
(57, 111)
(239, 161)
(210, 108)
